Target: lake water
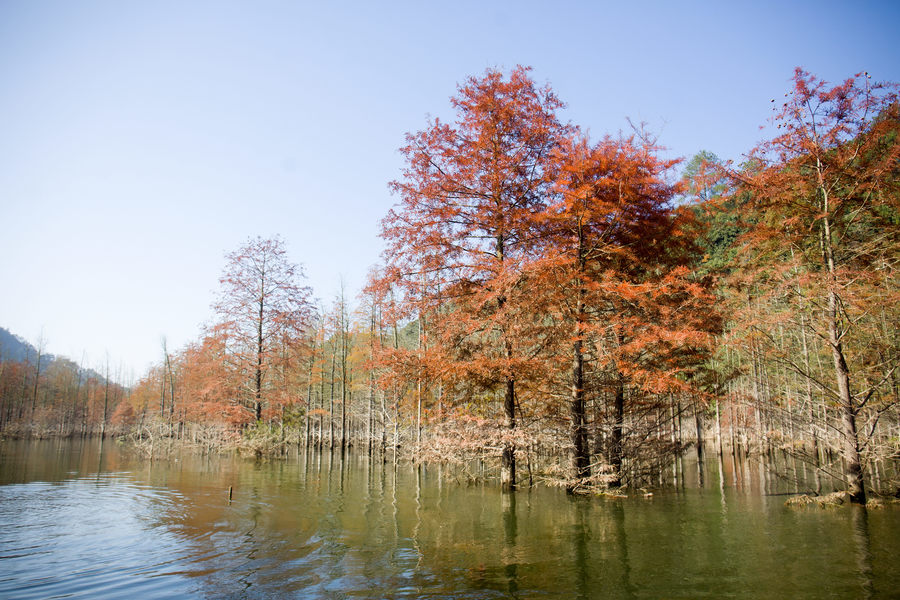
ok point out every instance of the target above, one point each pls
(76, 522)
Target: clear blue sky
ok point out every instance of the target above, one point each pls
(141, 141)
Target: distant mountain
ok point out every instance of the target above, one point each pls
(16, 348)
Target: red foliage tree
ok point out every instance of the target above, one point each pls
(462, 231)
(825, 191)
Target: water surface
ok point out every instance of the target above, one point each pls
(78, 521)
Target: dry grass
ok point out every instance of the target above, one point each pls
(838, 499)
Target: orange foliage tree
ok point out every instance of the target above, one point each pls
(210, 388)
(613, 274)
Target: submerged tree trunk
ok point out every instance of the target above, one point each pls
(508, 458)
(616, 448)
(580, 458)
(698, 422)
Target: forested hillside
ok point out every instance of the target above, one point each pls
(14, 348)
(42, 394)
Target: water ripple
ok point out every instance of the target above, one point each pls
(87, 537)
(307, 530)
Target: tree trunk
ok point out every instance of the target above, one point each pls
(259, 351)
(848, 409)
(616, 449)
(396, 401)
(580, 458)
(309, 387)
(344, 398)
(508, 458)
(37, 376)
(854, 474)
(698, 422)
(371, 416)
(419, 389)
(105, 403)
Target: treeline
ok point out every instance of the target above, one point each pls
(555, 306)
(43, 395)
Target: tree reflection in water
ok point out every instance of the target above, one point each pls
(322, 527)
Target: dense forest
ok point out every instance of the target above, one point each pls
(559, 307)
